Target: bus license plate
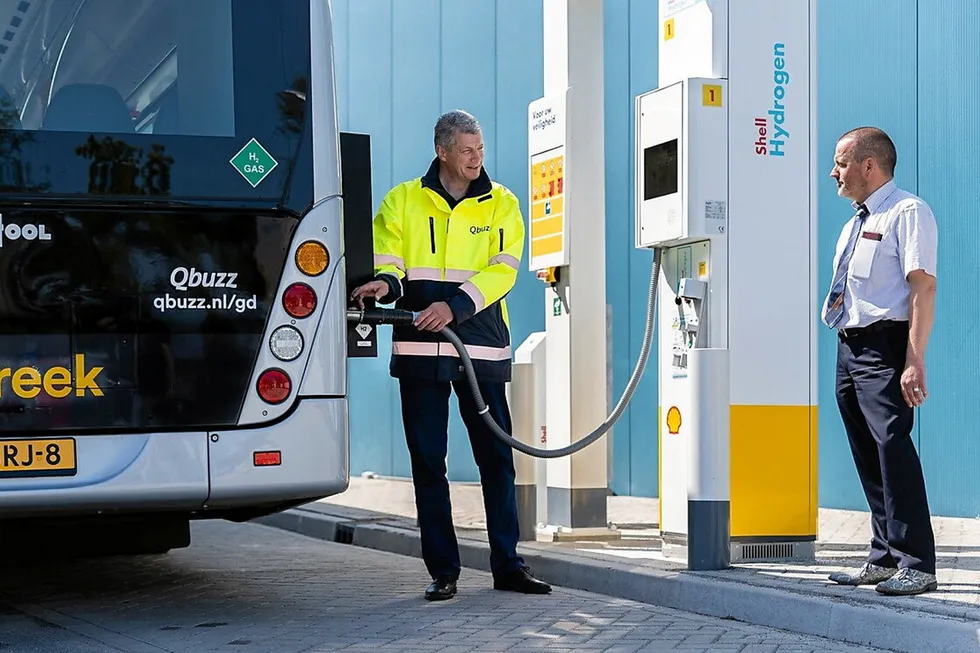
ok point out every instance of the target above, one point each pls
(20, 458)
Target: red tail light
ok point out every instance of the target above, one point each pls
(274, 386)
(299, 300)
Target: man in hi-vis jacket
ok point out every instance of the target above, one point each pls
(448, 245)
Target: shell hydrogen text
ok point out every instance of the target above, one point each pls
(776, 132)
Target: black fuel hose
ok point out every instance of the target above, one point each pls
(403, 317)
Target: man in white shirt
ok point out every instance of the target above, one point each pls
(881, 301)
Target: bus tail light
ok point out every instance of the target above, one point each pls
(299, 300)
(286, 343)
(274, 386)
(312, 258)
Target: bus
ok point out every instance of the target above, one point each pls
(175, 266)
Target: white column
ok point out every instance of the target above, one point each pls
(567, 224)
(765, 51)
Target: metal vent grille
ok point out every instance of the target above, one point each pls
(767, 551)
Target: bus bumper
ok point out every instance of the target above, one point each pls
(115, 473)
(195, 471)
(303, 457)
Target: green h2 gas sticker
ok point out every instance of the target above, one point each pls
(253, 162)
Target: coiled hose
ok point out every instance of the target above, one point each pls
(397, 316)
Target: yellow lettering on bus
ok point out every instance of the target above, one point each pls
(57, 382)
(85, 381)
(27, 382)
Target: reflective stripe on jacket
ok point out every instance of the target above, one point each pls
(431, 248)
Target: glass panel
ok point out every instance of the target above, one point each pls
(660, 170)
(153, 97)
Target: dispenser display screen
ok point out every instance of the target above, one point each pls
(660, 170)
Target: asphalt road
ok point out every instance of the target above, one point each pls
(251, 588)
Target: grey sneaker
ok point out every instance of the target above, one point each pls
(908, 581)
(869, 574)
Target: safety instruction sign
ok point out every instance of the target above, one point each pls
(253, 162)
(548, 202)
(547, 183)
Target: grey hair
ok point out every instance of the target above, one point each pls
(452, 123)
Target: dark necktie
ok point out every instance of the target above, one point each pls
(835, 300)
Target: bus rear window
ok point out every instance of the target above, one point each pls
(153, 97)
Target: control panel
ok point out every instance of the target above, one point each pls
(682, 163)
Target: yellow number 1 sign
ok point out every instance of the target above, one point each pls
(711, 95)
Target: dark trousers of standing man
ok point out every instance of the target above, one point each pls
(870, 362)
(425, 412)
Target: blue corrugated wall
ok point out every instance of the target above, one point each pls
(848, 97)
(903, 65)
(948, 140)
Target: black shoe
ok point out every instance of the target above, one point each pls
(441, 589)
(521, 581)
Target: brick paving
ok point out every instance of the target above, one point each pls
(249, 588)
(843, 537)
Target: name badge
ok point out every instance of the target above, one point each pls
(871, 235)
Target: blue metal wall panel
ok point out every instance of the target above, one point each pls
(367, 61)
(949, 62)
(400, 65)
(644, 439)
(619, 212)
(520, 79)
(851, 93)
(416, 89)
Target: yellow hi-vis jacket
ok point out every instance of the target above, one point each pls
(430, 248)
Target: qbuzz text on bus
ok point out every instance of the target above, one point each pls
(182, 279)
(225, 302)
(57, 382)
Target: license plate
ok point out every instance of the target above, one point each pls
(20, 458)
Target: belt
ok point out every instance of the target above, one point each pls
(874, 327)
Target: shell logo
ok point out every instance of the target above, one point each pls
(673, 420)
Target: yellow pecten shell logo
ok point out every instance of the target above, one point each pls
(673, 420)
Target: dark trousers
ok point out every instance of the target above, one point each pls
(425, 412)
(879, 429)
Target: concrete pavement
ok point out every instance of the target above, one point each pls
(379, 513)
(245, 588)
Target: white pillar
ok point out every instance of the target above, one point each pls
(567, 224)
(765, 52)
(527, 405)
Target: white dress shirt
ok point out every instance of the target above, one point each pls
(899, 236)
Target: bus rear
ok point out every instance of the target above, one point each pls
(172, 331)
